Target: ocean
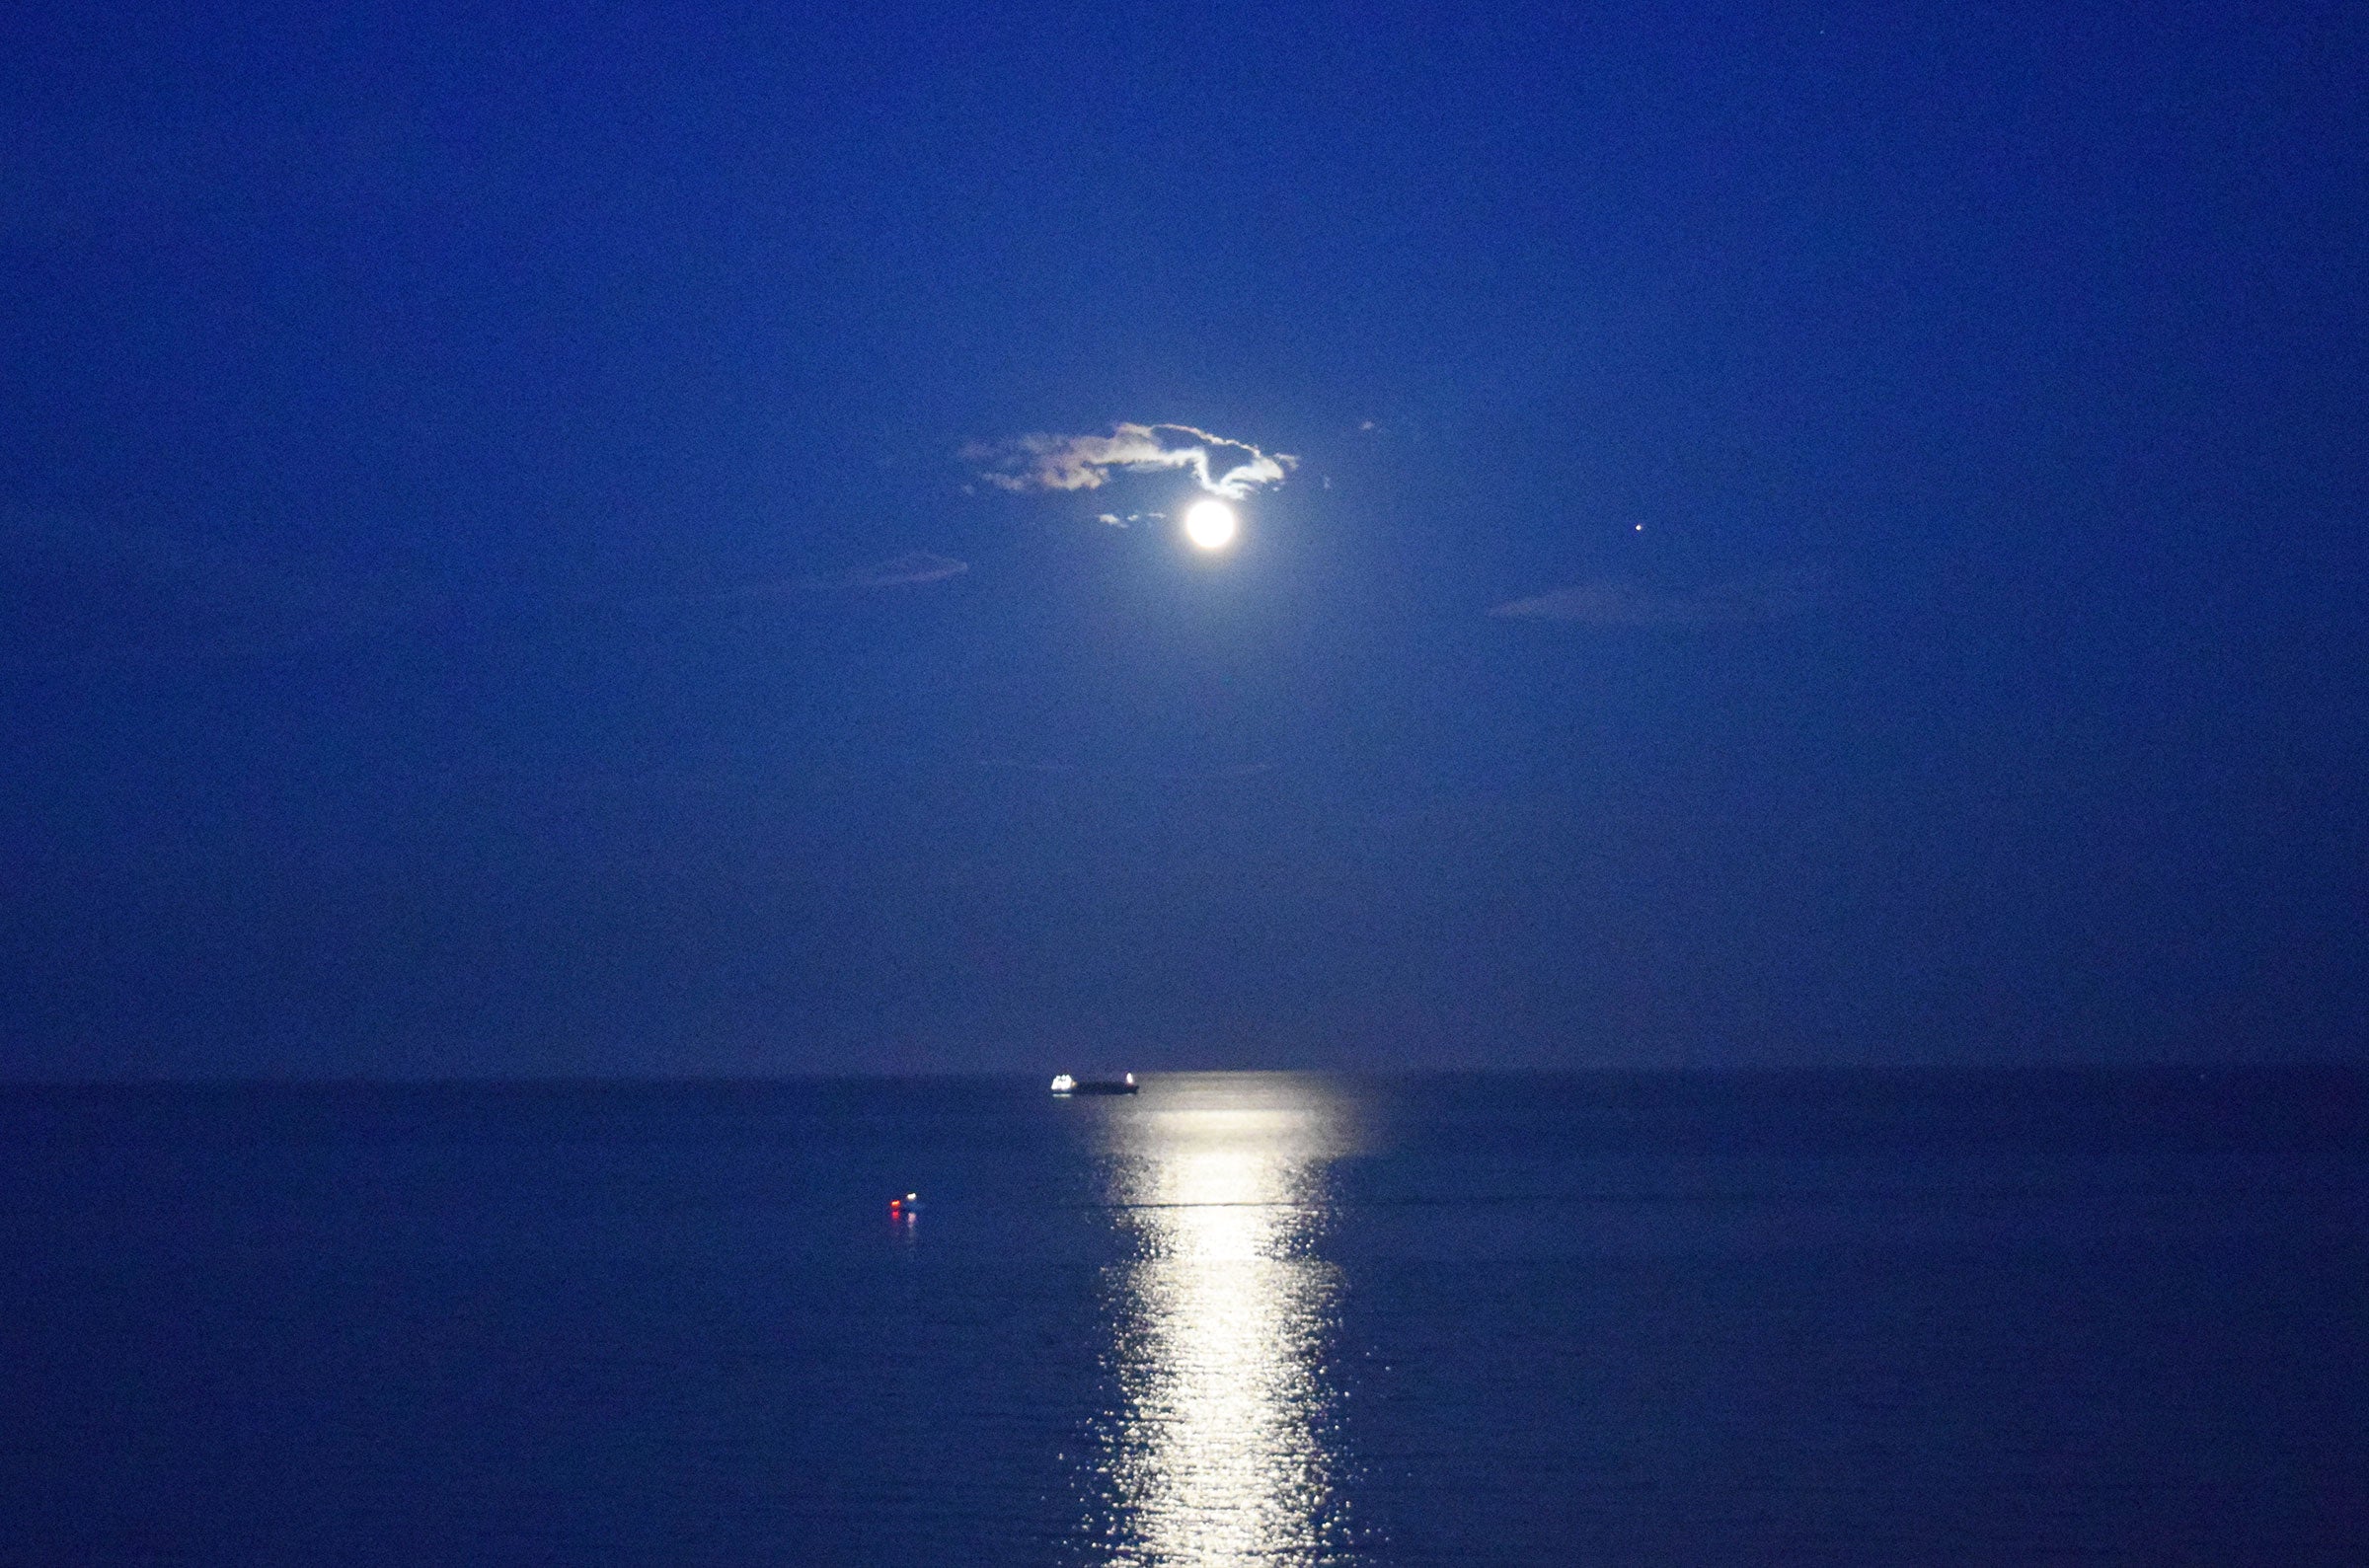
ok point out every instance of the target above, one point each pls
(2033, 1316)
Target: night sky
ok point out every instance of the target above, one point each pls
(610, 540)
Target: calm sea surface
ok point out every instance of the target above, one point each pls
(1239, 1318)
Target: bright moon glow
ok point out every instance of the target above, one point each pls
(1210, 524)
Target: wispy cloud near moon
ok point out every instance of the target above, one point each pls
(1042, 462)
(1616, 601)
(914, 565)
(897, 571)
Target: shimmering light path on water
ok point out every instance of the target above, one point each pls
(1223, 1448)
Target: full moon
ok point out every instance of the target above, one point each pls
(1209, 523)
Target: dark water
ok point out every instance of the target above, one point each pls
(1850, 1319)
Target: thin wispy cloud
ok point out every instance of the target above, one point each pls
(1618, 602)
(912, 567)
(1119, 774)
(1025, 765)
(1240, 770)
(897, 571)
(1043, 461)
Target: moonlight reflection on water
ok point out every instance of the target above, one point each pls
(1222, 1448)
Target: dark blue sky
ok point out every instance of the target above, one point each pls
(1817, 535)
